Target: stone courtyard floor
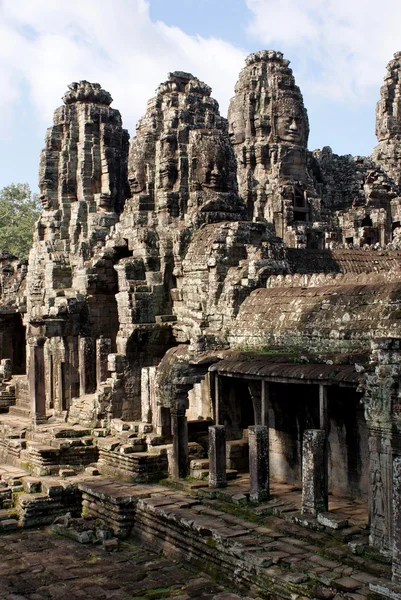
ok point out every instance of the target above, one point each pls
(37, 565)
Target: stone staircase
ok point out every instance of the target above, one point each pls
(237, 459)
(21, 407)
(27, 501)
(199, 469)
(131, 454)
(53, 447)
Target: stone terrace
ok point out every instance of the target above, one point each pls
(257, 550)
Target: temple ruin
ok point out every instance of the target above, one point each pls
(210, 306)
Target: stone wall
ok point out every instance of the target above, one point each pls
(319, 319)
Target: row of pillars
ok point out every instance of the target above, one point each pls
(315, 452)
(92, 360)
(258, 438)
(314, 461)
(314, 481)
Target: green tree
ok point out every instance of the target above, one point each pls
(19, 210)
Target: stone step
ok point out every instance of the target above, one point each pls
(119, 425)
(34, 447)
(4, 514)
(200, 464)
(198, 473)
(19, 411)
(71, 432)
(9, 524)
(162, 449)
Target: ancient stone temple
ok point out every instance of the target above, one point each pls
(212, 307)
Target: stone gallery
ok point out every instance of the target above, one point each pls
(208, 333)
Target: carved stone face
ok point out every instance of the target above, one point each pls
(237, 127)
(290, 127)
(210, 168)
(213, 175)
(45, 201)
(137, 173)
(168, 174)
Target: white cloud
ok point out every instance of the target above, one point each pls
(46, 45)
(340, 47)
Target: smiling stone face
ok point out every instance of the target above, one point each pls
(290, 128)
(212, 162)
(290, 121)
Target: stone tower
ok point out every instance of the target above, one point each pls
(181, 163)
(388, 121)
(182, 175)
(269, 130)
(82, 181)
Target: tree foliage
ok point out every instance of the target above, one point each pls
(19, 210)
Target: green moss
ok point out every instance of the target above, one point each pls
(211, 542)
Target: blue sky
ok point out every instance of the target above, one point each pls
(338, 51)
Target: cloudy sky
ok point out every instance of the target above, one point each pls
(338, 51)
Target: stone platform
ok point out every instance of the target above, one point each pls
(262, 550)
(40, 566)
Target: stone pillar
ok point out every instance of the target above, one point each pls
(62, 400)
(217, 456)
(324, 425)
(103, 349)
(218, 385)
(7, 369)
(37, 391)
(258, 437)
(265, 403)
(179, 429)
(87, 366)
(313, 472)
(380, 489)
(148, 396)
(212, 390)
(397, 520)
(72, 369)
(255, 392)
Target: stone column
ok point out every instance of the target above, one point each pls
(148, 396)
(324, 425)
(313, 472)
(397, 520)
(265, 403)
(103, 349)
(87, 365)
(255, 392)
(37, 391)
(217, 456)
(72, 369)
(179, 429)
(218, 385)
(62, 400)
(380, 489)
(258, 437)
